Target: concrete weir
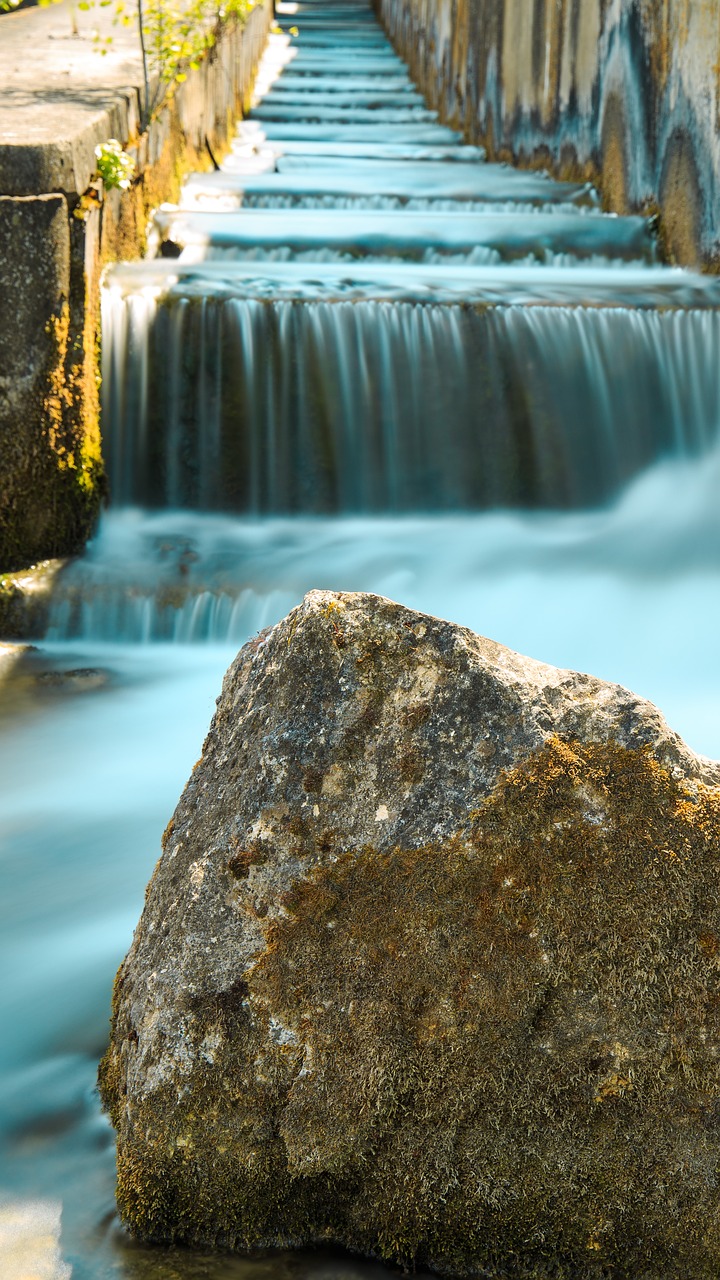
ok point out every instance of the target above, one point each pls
(58, 228)
(626, 94)
(330, 330)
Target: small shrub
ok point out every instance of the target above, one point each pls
(115, 166)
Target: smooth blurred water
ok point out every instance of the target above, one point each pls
(271, 405)
(629, 593)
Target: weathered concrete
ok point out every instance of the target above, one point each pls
(57, 230)
(429, 965)
(626, 93)
(38, 466)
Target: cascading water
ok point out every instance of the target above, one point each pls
(364, 359)
(395, 406)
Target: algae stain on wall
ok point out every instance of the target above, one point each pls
(624, 92)
(53, 248)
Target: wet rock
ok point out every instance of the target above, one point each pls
(78, 680)
(25, 599)
(10, 656)
(30, 1240)
(429, 967)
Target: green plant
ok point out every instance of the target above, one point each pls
(115, 166)
(174, 38)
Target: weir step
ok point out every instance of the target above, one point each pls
(421, 236)
(341, 87)
(368, 97)
(612, 288)
(298, 153)
(478, 184)
(310, 113)
(421, 134)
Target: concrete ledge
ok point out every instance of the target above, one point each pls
(58, 228)
(11, 656)
(59, 97)
(35, 309)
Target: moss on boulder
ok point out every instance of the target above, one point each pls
(429, 967)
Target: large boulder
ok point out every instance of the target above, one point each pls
(429, 967)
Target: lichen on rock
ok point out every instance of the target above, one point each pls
(429, 966)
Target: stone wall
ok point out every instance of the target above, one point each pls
(58, 228)
(625, 92)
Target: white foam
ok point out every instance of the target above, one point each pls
(29, 1241)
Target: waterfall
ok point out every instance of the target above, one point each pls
(360, 356)
(261, 407)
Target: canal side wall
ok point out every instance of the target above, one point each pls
(625, 93)
(59, 227)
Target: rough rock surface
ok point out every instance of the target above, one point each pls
(430, 965)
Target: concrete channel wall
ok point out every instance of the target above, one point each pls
(624, 92)
(58, 227)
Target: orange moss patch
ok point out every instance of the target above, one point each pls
(494, 1056)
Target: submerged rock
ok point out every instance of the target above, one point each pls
(429, 967)
(25, 599)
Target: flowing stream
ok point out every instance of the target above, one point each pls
(362, 358)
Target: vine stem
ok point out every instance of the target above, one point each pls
(146, 76)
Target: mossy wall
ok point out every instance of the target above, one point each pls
(624, 93)
(53, 247)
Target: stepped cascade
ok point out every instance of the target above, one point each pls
(357, 313)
